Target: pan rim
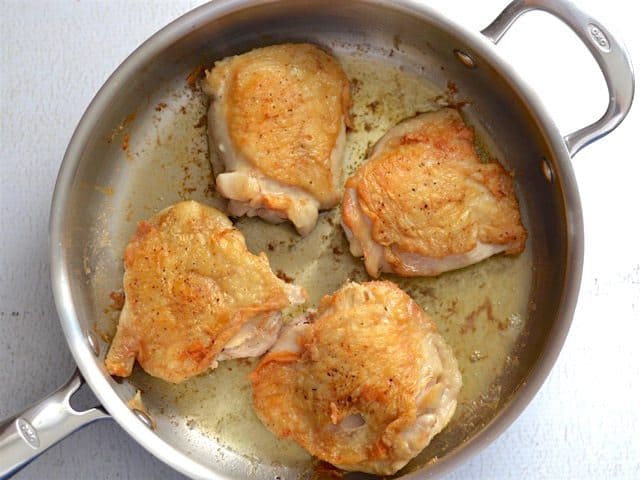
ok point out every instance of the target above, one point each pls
(77, 341)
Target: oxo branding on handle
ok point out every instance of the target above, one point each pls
(599, 38)
(28, 433)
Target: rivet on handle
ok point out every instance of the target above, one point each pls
(464, 58)
(93, 343)
(143, 417)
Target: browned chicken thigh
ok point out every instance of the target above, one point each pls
(364, 383)
(424, 203)
(194, 294)
(277, 120)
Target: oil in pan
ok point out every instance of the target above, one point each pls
(480, 310)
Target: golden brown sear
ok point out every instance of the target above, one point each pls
(364, 383)
(424, 203)
(277, 121)
(191, 286)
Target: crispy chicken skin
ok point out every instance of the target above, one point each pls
(364, 383)
(424, 203)
(192, 288)
(277, 121)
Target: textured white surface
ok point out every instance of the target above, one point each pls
(584, 423)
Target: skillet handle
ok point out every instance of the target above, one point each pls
(29, 433)
(612, 57)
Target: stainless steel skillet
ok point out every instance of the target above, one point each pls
(500, 103)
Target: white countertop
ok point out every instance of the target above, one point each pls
(584, 423)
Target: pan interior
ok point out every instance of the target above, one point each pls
(151, 150)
